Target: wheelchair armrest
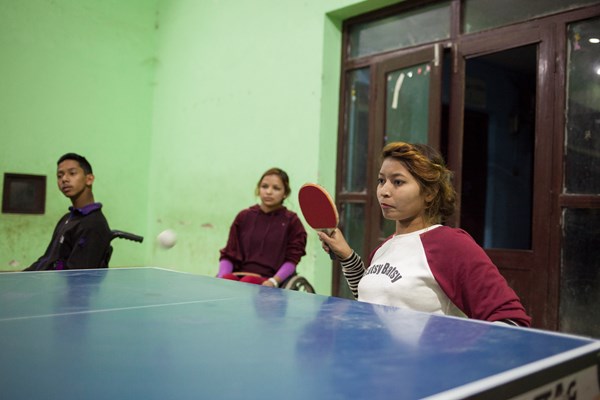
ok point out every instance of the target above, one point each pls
(126, 235)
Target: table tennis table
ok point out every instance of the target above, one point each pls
(152, 333)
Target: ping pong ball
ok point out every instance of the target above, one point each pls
(167, 238)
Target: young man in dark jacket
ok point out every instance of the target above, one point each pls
(81, 238)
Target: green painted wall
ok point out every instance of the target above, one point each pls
(76, 75)
(241, 86)
(180, 105)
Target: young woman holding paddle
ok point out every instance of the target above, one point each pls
(425, 266)
(266, 241)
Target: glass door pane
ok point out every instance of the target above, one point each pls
(355, 156)
(352, 221)
(485, 14)
(498, 148)
(407, 104)
(580, 257)
(354, 166)
(579, 310)
(410, 28)
(582, 153)
(408, 110)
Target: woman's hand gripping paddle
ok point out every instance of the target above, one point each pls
(318, 209)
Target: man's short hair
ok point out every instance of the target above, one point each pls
(83, 163)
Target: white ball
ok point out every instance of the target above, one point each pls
(167, 238)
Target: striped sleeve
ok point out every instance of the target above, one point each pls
(354, 269)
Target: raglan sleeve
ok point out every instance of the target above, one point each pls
(295, 247)
(353, 269)
(470, 279)
(233, 249)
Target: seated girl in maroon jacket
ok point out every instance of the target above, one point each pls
(266, 241)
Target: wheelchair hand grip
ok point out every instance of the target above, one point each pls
(128, 236)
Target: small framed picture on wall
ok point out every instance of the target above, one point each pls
(24, 194)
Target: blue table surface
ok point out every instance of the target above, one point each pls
(156, 334)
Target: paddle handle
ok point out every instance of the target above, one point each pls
(329, 232)
(331, 255)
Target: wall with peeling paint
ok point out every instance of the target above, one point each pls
(180, 105)
(76, 76)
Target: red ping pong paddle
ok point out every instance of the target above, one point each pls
(318, 209)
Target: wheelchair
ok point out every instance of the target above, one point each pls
(294, 282)
(298, 283)
(116, 234)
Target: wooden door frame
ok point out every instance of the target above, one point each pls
(561, 201)
(549, 33)
(532, 265)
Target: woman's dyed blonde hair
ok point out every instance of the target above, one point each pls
(429, 169)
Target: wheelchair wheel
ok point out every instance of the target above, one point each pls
(299, 284)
